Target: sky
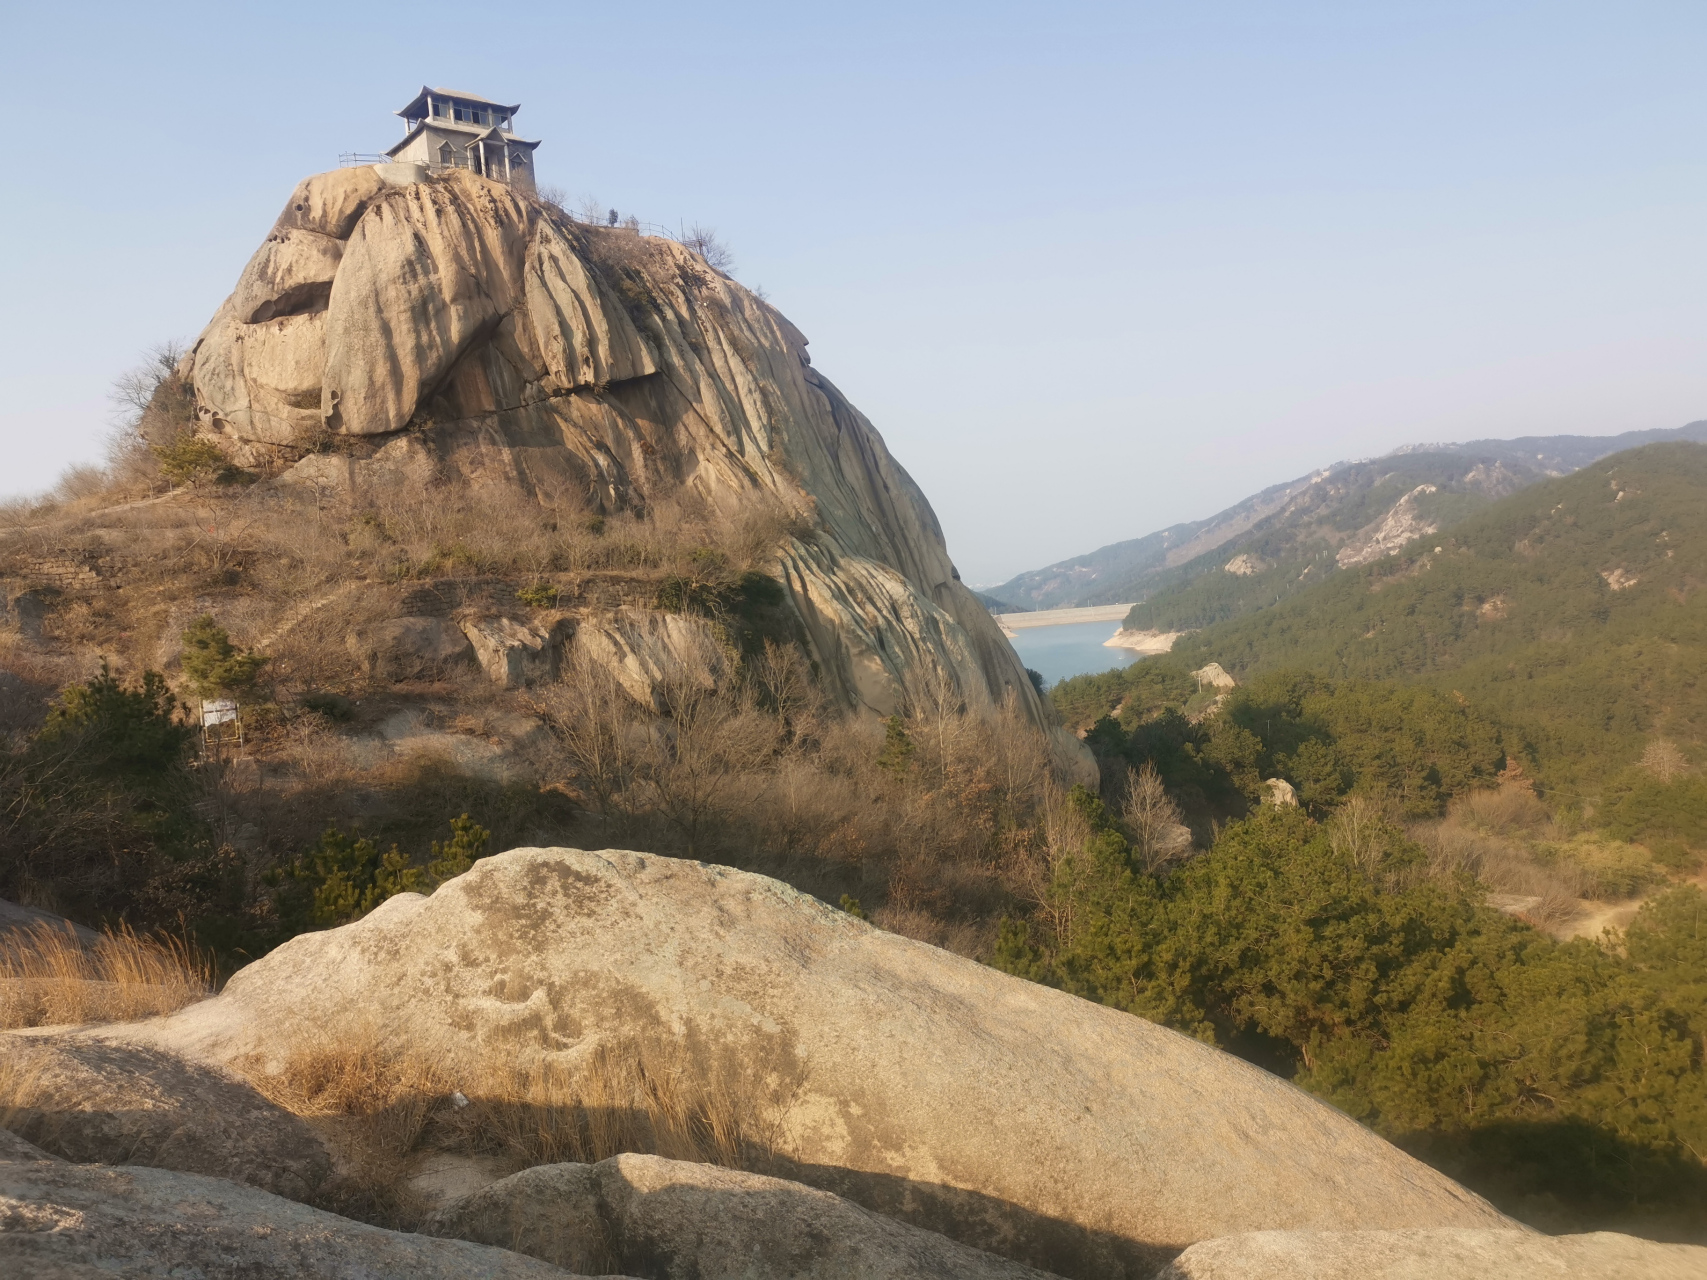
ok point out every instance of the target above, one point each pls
(1091, 269)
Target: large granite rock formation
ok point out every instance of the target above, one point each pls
(921, 1085)
(456, 328)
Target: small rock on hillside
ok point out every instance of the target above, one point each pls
(1435, 1255)
(410, 648)
(60, 1219)
(919, 1084)
(95, 1102)
(672, 1220)
(1215, 676)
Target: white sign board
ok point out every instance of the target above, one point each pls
(219, 711)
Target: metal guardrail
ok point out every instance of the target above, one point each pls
(627, 224)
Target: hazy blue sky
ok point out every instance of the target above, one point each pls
(1091, 269)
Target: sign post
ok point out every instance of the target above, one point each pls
(221, 725)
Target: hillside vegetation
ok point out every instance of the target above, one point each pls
(1507, 712)
(1572, 614)
(1340, 516)
(1564, 1081)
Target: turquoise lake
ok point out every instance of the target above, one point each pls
(1073, 649)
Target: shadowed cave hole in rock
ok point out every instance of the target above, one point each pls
(299, 300)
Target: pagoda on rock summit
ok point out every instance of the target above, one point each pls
(444, 129)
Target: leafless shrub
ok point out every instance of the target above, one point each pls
(1064, 832)
(1361, 830)
(315, 752)
(381, 1107)
(80, 483)
(1555, 906)
(1503, 865)
(589, 208)
(133, 390)
(1153, 822)
(1662, 759)
(708, 740)
(1504, 811)
(716, 254)
(153, 408)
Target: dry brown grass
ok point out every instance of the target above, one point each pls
(50, 976)
(20, 1086)
(1505, 811)
(1508, 839)
(383, 1110)
(761, 775)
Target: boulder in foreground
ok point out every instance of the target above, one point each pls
(94, 1102)
(59, 1219)
(919, 1084)
(1446, 1254)
(672, 1220)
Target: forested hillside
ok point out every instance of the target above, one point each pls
(1505, 719)
(1572, 614)
(1355, 514)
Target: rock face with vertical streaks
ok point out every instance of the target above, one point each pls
(457, 329)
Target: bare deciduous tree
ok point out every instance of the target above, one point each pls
(595, 721)
(133, 390)
(1359, 831)
(1153, 821)
(704, 242)
(1664, 760)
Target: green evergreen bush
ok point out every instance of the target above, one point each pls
(213, 664)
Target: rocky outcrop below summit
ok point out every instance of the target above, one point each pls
(1404, 523)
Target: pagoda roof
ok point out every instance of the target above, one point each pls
(419, 101)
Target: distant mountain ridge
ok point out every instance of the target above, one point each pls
(1307, 524)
